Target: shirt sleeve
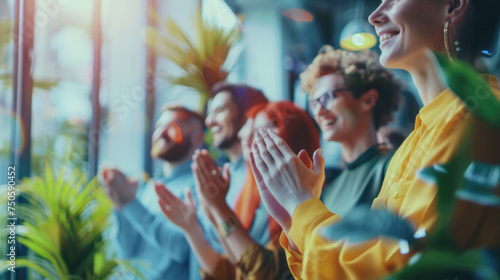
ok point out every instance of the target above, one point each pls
(319, 258)
(259, 262)
(405, 195)
(123, 236)
(156, 230)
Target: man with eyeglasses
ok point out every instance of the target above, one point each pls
(350, 97)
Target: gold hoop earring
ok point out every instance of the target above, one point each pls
(447, 41)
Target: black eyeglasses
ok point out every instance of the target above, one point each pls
(325, 100)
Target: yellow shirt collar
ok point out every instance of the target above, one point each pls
(435, 109)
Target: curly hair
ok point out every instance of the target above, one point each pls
(361, 72)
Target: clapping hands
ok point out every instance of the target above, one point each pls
(182, 214)
(285, 179)
(211, 182)
(118, 187)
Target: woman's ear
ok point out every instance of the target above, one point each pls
(369, 99)
(456, 10)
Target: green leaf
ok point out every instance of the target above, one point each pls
(481, 179)
(129, 267)
(63, 224)
(362, 224)
(40, 265)
(442, 264)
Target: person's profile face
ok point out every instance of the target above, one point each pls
(408, 29)
(337, 115)
(246, 137)
(172, 137)
(251, 126)
(223, 120)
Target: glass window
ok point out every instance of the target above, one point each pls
(61, 108)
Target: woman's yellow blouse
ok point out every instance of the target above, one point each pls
(441, 127)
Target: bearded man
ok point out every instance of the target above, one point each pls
(140, 231)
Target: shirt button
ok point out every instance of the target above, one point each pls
(395, 194)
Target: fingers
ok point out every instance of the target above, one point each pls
(208, 168)
(258, 161)
(264, 154)
(189, 197)
(199, 180)
(166, 209)
(281, 144)
(258, 170)
(201, 174)
(226, 174)
(318, 162)
(271, 146)
(206, 188)
(164, 194)
(255, 170)
(164, 200)
(305, 158)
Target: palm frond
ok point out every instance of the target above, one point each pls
(204, 55)
(63, 225)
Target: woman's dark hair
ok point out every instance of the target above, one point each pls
(244, 96)
(480, 31)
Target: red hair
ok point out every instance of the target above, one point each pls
(298, 130)
(294, 124)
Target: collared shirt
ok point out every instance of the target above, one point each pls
(142, 232)
(440, 130)
(359, 183)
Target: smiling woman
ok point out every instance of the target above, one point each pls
(339, 83)
(445, 129)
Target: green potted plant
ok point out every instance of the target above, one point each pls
(63, 224)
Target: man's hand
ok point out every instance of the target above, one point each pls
(212, 183)
(182, 214)
(119, 189)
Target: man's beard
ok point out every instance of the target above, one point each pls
(227, 143)
(178, 151)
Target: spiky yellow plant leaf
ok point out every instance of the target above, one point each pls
(201, 59)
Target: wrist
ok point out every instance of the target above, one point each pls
(191, 227)
(228, 225)
(221, 208)
(291, 244)
(294, 203)
(286, 225)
